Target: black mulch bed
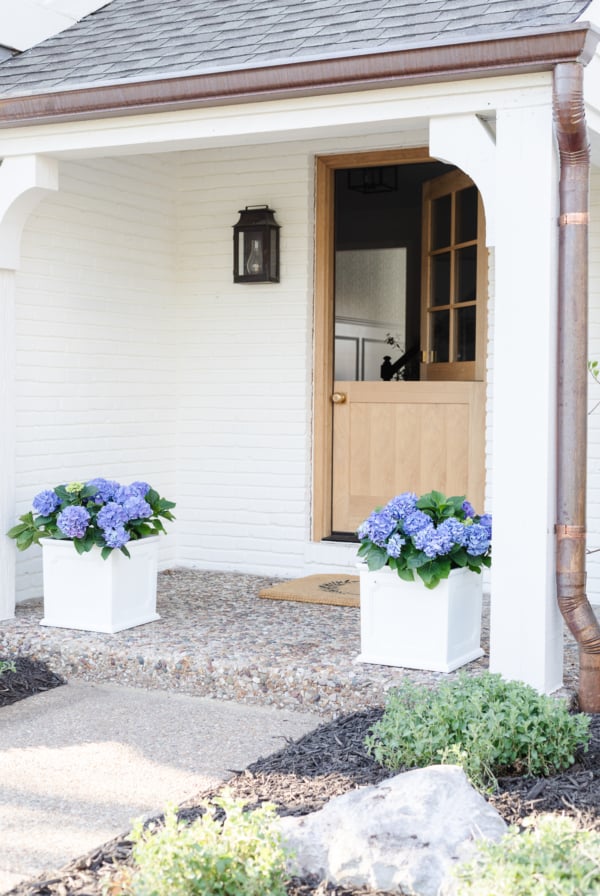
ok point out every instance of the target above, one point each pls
(305, 774)
(30, 677)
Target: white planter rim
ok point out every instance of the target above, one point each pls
(69, 541)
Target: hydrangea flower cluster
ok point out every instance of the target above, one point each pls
(100, 512)
(429, 536)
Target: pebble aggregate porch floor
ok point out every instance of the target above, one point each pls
(216, 638)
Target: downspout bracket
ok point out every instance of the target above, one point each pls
(574, 218)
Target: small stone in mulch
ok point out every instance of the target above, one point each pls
(30, 677)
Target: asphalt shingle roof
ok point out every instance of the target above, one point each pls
(134, 40)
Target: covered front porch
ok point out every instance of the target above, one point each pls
(128, 351)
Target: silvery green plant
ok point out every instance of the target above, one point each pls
(551, 857)
(98, 513)
(485, 724)
(429, 536)
(241, 855)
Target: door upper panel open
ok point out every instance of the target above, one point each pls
(453, 280)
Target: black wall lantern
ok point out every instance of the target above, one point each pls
(256, 246)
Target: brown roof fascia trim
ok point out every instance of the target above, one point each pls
(511, 54)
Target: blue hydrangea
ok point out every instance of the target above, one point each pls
(379, 526)
(425, 540)
(136, 508)
(139, 488)
(478, 539)
(135, 490)
(486, 522)
(444, 540)
(106, 489)
(438, 541)
(116, 537)
(415, 521)
(46, 502)
(111, 516)
(400, 506)
(468, 509)
(363, 530)
(454, 531)
(73, 521)
(394, 545)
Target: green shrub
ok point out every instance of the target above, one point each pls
(241, 856)
(7, 666)
(485, 724)
(552, 859)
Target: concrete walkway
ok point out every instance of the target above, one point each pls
(79, 763)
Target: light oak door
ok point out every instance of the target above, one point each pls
(396, 437)
(390, 437)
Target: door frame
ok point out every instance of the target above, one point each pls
(324, 283)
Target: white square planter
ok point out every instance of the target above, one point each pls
(406, 624)
(83, 591)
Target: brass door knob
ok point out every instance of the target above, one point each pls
(338, 397)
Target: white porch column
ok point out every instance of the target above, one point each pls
(464, 141)
(526, 626)
(7, 442)
(23, 182)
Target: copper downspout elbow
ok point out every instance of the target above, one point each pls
(571, 131)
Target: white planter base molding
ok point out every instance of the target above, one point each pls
(406, 624)
(83, 591)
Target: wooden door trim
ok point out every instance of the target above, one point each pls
(325, 168)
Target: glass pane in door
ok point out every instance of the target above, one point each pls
(465, 333)
(440, 279)
(466, 274)
(466, 215)
(440, 336)
(441, 219)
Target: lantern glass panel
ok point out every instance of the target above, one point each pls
(274, 255)
(254, 263)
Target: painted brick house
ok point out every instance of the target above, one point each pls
(411, 154)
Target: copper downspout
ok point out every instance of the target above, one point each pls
(569, 115)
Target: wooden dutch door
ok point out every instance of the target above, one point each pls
(400, 335)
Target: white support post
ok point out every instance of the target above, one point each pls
(464, 141)
(526, 626)
(7, 442)
(23, 182)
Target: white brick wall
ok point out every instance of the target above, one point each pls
(245, 356)
(96, 351)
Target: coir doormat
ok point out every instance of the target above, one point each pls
(339, 590)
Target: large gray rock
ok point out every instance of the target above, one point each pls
(404, 834)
